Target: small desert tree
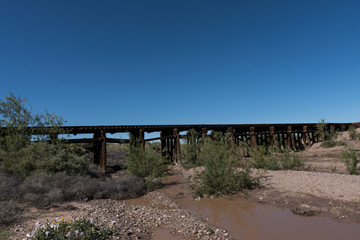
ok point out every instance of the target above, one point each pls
(22, 156)
(15, 118)
(221, 174)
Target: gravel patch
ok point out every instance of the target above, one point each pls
(131, 221)
(138, 222)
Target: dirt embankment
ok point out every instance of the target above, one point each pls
(325, 189)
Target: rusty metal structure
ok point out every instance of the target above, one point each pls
(294, 136)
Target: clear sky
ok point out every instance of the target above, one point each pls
(182, 62)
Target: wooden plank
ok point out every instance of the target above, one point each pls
(178, 146)
(96, 148)
(117, 140)
(81, 140)
(103, 151)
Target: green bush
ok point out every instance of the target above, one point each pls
(17, 116)
(350, 158)
(326, 135)
(43, 157)
(221, 174)
(352, 133)
(262, 158)
(275, 160)
(21, 155)
(146, 163)
(332, 143)
(81, 229)
(289, 161)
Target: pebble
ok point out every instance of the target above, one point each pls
(138, 222)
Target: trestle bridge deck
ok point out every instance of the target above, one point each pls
(294, 136)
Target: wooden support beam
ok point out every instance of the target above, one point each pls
(253, 142)
(142, 138)
(230, 132)
(171, 144)
(177, 149)
(291, 140)
(167, 141)
(103, 152)
(203, 133)
(166, 137)
(212, 134)
(117, 140)
(305, 136)
(297, 136)
(133, 140)
(163, 144)
(272, 137)
(283, 140)
(96, 147)
(53, 137)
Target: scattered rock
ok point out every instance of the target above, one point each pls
(305, 210)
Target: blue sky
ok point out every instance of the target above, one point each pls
(182, 62)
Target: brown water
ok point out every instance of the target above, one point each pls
(246, 220)
(164, 234)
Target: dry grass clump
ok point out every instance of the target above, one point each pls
(45, 190)
(351, 159)
(8, 186)
(10, 212)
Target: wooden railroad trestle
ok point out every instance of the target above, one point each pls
(293, 136)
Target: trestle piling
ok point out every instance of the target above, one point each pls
(293, 136)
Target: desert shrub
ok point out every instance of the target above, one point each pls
(45, 190)
(10, 212)
(326, 135)
(332, 143)
(21, 156)
(324, 132)
(8, 186)
(221, 174)
(262, 158)
(79, 229)
(146, 162)
(352, 133)
(191, 150)
(289, 161)
(127, 186)
(350, 158)
(16, 115)
(44, 157)
(272, 159)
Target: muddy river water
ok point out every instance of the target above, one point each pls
(246, 220)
